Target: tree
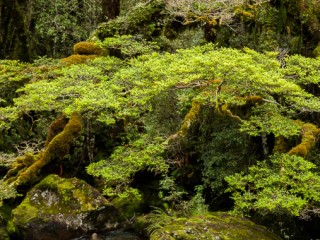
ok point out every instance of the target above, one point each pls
(245, 86)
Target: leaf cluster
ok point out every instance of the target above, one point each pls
(287, 184)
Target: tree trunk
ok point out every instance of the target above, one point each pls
(111, 8)
(13, 33)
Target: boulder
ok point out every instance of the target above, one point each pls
(217, 225)
(61, 208)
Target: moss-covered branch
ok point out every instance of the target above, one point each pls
(188, 120)
(57, 148)
(309, 134)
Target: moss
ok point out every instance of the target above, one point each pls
(190, 117)
(309, 15)
(86, 48)
(245, 14)
(57, 148)
(71, 192)
(57, 199)
(77, 59)
(309, 134)
(268, 40)
(128, 203)
(280, 145)
(56, 127)
(253, 99)
(19, 165)
(210, 226)
(11, 229)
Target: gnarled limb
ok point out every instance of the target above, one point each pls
(57, 148)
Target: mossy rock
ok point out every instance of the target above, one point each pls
(217, 225)
(86, 48)
(59, 208)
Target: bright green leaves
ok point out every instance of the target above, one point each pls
(76, 88)
(144, 153)
(13, 75)
(107, 86)
(302, 70)
(286, 185)
(155, 91)
(60, 92)
(6, 192)
(270, 119)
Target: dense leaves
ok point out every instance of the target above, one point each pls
(161, 104)
(285, 185)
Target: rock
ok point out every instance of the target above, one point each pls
(63, 209)
(209, 226)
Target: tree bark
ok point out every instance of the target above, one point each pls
(110, 8)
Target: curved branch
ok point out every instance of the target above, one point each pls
(57, 148)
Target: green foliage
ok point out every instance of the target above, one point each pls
(62, 23)
(135, 21)
(170, 192)
(6, 192)
(14, 75)
(128, 46)
(287, 185)
(301, 70)
(128, 202)
(197, 205)
(222, 149)
(150, 97)
(143, 153)
(269, 119)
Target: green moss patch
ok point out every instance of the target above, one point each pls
(217, 225)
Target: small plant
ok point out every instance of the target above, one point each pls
(6, 192)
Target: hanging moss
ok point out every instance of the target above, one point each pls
(77, 59)
(309, 134)
(20, 164)
(86, 48)
(57, 148)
